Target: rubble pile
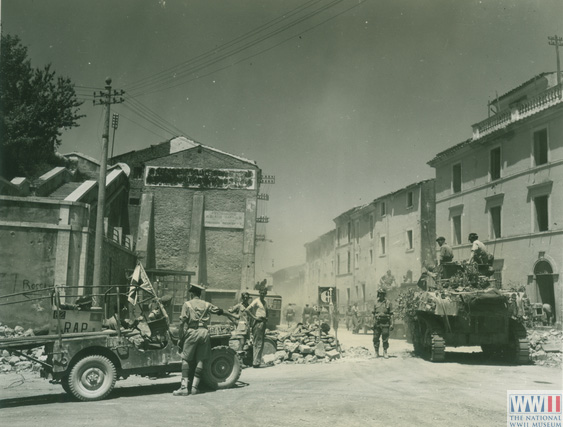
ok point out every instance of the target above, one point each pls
(546, 347)
(304, 344)
(12, 362)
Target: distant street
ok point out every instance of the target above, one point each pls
(354, 391)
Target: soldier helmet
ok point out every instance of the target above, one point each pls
(473, 236)
(441, 239)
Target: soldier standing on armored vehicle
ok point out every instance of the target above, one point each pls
(446, 253)
(383, 317)
(479, 254)
(195, 341)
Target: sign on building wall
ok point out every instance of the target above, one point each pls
(161, 176)
(327, 295)
(222, 219)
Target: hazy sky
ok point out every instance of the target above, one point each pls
(343, 101)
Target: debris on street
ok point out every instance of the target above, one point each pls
(12, 362)
(546, 347)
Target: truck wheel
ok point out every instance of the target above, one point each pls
(223, 368)
(92, 378)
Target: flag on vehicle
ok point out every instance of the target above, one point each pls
(139, 281)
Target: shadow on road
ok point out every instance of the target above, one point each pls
(120, 392)
(473, 358)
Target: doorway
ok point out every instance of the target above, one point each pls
(544, 280)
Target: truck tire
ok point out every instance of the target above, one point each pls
(223, 368)
(92, 378)
(65, 384)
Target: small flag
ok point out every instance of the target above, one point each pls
(139, 280)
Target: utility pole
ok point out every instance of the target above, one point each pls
(106, 98)
(557, 41)
(114, 125)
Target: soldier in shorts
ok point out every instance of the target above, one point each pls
(196, 346)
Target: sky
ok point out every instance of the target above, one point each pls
(343, 101)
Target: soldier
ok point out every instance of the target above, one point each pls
(479, 254)
(258, 311)
(383, 317)
(243, 324)
(355, 319)
(307, 314)
(446, 253)
(289, 314)
(196, 344)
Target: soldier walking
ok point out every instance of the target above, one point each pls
(383, 322)
(195, 341)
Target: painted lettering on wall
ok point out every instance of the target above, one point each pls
(242, 179)
(222, 219)
(30, 286)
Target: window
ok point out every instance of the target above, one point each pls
(456, 229)
(349, 261)
(456, 178)
(357, 263)
(542, 220)
(348, 294)
(338, 264)
(349, 232)
(540, 147)
(409, 199)
(363, 292)
(371, 226)
(357, 230)
(371, 256)
(383, 209)
(495, 163)
(409, 239)
(382, 245)
(495, 222)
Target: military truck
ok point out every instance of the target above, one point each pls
(459, 305)
(87, 356)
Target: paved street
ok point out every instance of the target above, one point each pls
(354, 391)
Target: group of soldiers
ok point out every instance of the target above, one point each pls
(195, 341)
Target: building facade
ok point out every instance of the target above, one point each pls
(195, 209)
(505, 184)
(395, 233)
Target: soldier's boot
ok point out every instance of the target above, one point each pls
(197, 376)
(377, 353)
(183, 390)
(385, 355)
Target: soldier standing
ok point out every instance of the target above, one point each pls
(307, 314)
(196, 346)
(258, 310)
(383, 317)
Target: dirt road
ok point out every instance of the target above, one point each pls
(363, 391)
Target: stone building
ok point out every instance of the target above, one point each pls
(47, 230)
(395, 232)
(505, 184)
(194, 208)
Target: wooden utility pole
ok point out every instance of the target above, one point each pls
(106, 98)
(557, 41)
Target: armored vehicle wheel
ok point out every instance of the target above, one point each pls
(223, 369)
(438, 348)
(518, 350)
(92, 378)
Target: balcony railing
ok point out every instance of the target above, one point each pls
(523, 109)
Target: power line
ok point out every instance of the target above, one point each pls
(160, 84)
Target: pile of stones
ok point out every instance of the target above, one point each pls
(12, 362)
(304, 344)
(546, 347)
